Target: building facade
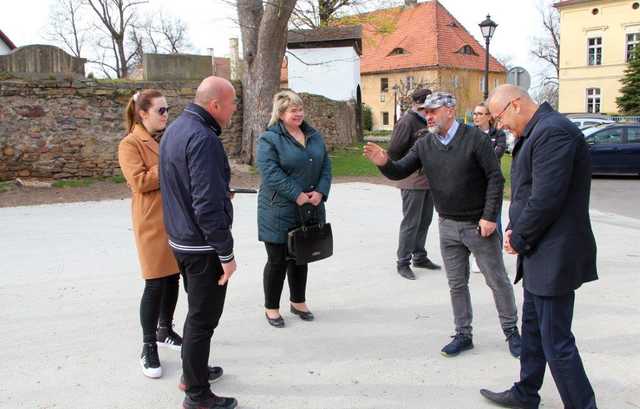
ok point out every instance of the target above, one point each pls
(597, 38)
(6, 45)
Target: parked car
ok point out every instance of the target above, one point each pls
(511, 141)
(587, 121)
(615, 148)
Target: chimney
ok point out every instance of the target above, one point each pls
(410, 3)
(234, 60)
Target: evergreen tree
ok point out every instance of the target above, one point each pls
(629, 101)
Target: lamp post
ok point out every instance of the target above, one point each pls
(487, 27)
(395, 103)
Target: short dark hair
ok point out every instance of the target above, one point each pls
(420, 95)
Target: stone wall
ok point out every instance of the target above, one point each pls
(171, 67)
(54, 129)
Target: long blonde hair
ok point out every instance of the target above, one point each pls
(281, 102)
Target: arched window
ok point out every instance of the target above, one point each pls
(398, 51)
(466, 50)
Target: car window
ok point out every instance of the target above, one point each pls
(590, 123)
(610, 135)
(633, 134)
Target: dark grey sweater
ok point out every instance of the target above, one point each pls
(464, 176)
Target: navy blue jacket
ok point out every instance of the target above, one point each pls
(194, 181)
(288, 169)
(549, 213)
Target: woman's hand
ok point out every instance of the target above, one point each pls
(376, 154)
(314, 198)
(302, 199)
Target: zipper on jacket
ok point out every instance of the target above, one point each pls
(274, 196)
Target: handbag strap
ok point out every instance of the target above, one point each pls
(308, 215)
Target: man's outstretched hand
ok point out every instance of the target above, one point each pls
(375, 154)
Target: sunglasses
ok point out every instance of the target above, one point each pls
(163, 110)
(480, 113)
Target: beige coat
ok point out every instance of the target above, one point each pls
(138, 154)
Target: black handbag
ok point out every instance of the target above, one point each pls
(312, 241)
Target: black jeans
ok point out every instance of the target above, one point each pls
(547, 340)
(157, 305)
(206, 302)
(274, 271)
(417, 212)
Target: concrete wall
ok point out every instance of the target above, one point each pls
(330, 72)
(42, 61)
(171, 67)
(614, 20)
(70, 129)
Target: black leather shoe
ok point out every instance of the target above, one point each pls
(505, 399)
(275, 322)
(426, 263)
(406, 272)
(212, 402)
(215, 373)
(304, 315)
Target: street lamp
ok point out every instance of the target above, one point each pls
(395, 89)
(487, 27)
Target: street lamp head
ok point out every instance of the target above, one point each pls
(488, 27)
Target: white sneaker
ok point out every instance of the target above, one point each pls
(150, 361)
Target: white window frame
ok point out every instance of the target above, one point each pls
(595, 48)
(593, 100)
(633, 43)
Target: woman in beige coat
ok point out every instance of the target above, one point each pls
(146, 118)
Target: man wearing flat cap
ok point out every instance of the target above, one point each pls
(466, 184)
(417, 204)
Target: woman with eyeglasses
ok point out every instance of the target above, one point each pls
(146, 118)
(482, 119)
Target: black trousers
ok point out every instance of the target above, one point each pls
(274, 272)
(157, 305)
(547, 339)
(206, 302)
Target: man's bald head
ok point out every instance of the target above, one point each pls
(506, 93)
(218, 97)
(511, 108)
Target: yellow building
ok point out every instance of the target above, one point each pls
(596, 38)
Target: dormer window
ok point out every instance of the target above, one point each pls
(466, 50)
(398, 51)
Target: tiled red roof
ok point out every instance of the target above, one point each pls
(428, 35)
(7, 41)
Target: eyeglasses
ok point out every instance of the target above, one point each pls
(480, 113)
(163, 110)
(498, 118)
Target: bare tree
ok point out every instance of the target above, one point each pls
(117, 18)
(547, 47)
(67, 27)
(320, 13)
(263, 26)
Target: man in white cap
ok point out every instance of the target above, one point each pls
(466, 184)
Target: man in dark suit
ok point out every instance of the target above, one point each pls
(550, 232)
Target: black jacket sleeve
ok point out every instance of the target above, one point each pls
(495, 181)
(501, 143)
(400, 140)
(396, 170)
(205, 156)
(552, 170)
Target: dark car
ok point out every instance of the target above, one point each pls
(615, 148)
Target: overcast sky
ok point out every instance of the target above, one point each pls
(210, 23)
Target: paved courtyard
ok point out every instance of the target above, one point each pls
(70, 288)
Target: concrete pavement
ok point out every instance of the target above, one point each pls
(70, 289)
